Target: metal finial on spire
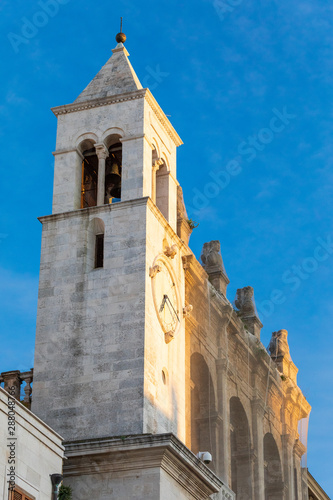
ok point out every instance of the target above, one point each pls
(121, 37)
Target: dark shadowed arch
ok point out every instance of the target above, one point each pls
(203, 408)
(273, 469)
(240, 448)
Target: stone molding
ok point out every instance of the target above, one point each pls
(100, 101)
(315, 488)
(121, 205)
(70, 150)
(128, 96)
(145, 451)
(133, 138)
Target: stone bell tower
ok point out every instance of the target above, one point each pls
(110, 341)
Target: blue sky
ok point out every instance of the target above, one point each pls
(222, 71)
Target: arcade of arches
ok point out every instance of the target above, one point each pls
(245, 404)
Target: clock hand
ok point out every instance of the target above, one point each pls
(171, 287)
(167, 299)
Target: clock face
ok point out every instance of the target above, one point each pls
(166, 298)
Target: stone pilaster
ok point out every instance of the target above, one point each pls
(258, 411)
(287, 455)
(224, 412)
(299, 450)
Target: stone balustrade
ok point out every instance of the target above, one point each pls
(13, 380)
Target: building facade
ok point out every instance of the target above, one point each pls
(31, 452)
(147, 361)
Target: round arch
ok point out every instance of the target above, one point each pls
(240, 450)
(86, 141)
(273, 469)
(203, 406)
(154, 144)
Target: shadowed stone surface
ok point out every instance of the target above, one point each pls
(117, 76)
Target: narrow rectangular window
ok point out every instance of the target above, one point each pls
(99, 250)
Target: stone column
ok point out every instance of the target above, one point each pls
(27, 377)
(258, 412)
(156, 166)
(102, 153)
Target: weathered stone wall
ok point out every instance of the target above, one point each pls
(249, 418)
(164, 399)
(89, 355)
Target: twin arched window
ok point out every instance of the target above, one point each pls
(108, 166)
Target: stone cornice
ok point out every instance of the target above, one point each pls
(100, 101)
(145, 451)
(315, 488)
(82, 212)
(162, 118)
(128, 96)
(70, 150)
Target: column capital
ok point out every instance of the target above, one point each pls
(101, 151)
(299, 448)
(157, 164)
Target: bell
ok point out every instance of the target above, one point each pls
(114, 175)
(113, 182)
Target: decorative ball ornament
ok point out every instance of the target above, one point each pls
(121, 38)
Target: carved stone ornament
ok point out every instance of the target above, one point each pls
(278, 346)
(154, 270)
(187, 310)
(244, 301)
(101, 151)
(168, 337)
(171, 251)
(157, 164)
(211, 256)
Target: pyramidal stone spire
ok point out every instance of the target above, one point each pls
(117, 76)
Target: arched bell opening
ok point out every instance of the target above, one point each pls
(162, 189)
(89, 174)
(240, 451)
(203, 409)
(273, 469)
(155, 167)
(113, 169)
